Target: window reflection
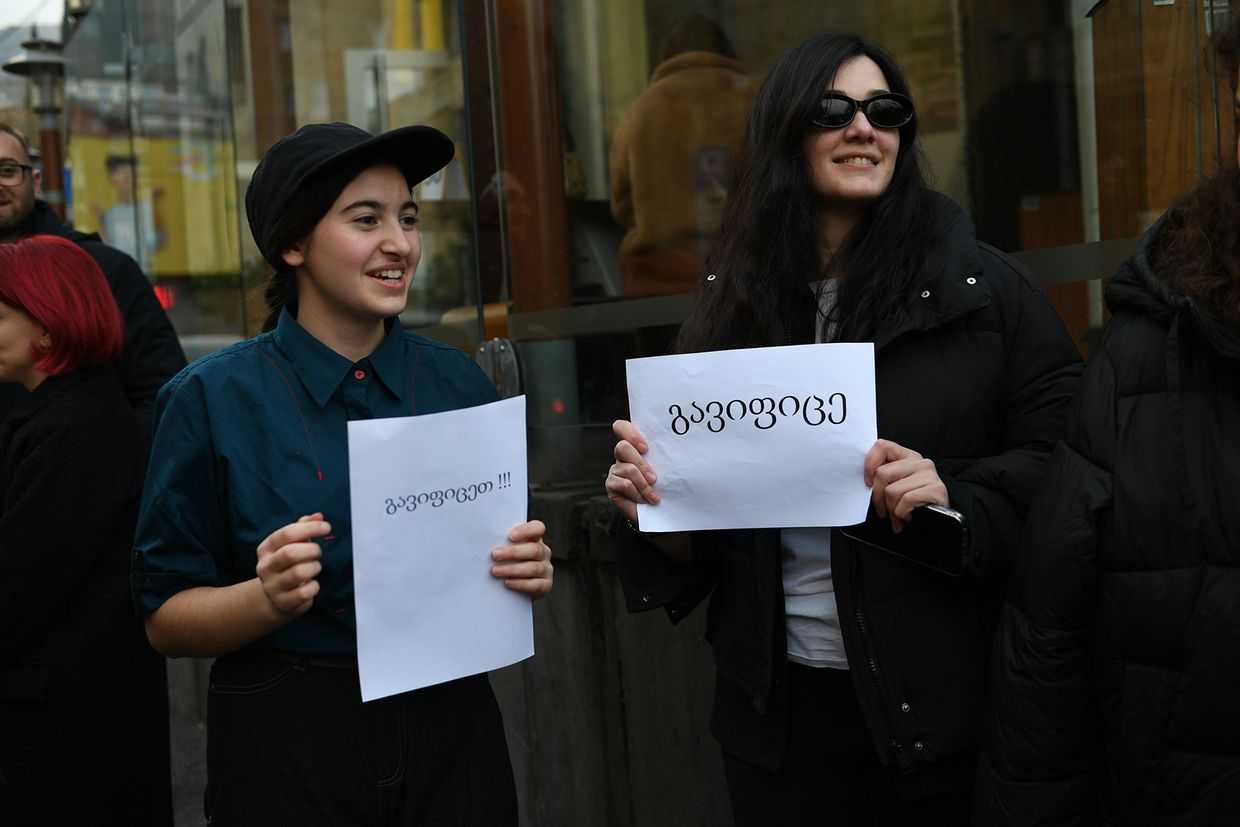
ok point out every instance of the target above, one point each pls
(380, 64)
(151, 155)
(673, 155)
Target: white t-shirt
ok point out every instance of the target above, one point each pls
(813, 623)
(811, 616)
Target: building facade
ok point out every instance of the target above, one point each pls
(1065, 127)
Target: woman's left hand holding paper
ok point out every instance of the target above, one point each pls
(524, 564)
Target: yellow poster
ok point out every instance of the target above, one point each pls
(168, 202)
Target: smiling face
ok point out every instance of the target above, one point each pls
(17, 200)
(354, 269)
(20, 338)
(854, 164)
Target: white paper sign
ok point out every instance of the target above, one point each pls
(431, 496)
(770, 437)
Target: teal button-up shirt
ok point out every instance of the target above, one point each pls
(253, 437)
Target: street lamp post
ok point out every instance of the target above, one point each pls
(77, 9)
(43, 66)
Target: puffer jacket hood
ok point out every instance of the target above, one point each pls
(1139, 289)
(1114, 661)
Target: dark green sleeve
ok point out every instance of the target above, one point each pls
(183, 526)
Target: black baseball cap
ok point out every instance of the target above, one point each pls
(417, 151)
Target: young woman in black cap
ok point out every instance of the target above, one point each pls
(243, 547)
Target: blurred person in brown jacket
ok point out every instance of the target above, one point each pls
(672, 159)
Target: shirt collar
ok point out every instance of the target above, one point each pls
(322, 369)
(388, 360)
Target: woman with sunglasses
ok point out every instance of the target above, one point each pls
(244, 543)
(850, 677)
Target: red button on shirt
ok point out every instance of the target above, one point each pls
(359, 374)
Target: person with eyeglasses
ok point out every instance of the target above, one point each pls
(850, 672)
(152, 353)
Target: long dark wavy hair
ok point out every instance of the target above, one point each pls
(769, 245)
(1198, 249)
(314, 198)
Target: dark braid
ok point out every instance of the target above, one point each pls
(281, 292)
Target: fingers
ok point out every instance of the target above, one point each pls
(289, 564)
(521, 571)
(626, 431)
(626, 480)
(890, 473)
(296, 602)
(903, 485)
(631, 478)
(306, 528)
(519, 552)
(531, 531)
(882, 452)
(288, 556)
(920, 492)
(289, 577)
(536, 588)
(626, 454)
(524, 567)
(289, 595)
(627, 507)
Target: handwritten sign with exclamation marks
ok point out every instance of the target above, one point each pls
(441, 496)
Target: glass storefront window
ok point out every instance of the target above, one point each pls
(596, 142)
(171, 105)
(377, 64)
(151, 155)
(1056, 125)
(596, 139)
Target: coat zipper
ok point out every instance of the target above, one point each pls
(859, 614)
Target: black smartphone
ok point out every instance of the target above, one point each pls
(935, 536)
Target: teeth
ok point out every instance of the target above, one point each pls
(858, 160)
(389, 274)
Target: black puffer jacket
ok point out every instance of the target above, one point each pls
(152, 353)
(1117, 668)
(977, 376)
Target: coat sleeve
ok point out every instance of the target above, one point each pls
(66, 492)
(152, 353)
(1040, 734)
(652, 580)
(1043, 369)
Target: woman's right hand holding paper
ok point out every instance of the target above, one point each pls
(631, 479)
(289, 563)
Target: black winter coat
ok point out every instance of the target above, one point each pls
(83, 703)
(976, 375)
(152, 353)
(1117, 667)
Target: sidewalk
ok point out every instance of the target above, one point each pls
(187, 712)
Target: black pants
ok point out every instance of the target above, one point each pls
(86, 745)
(831, 774)
(290, 742)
